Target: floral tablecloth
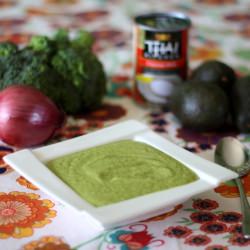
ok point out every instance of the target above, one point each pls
(30, 219)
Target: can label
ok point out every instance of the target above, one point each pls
(160, 62)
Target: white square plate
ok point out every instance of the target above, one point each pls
(32, 165)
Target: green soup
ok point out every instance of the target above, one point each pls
(119, 171)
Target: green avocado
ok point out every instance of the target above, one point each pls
(215, 72)
(202, 107)
(241, 104)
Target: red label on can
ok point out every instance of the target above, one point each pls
(161, 60)
(164, 55)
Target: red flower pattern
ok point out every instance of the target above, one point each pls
(198, 240)
(71, 130)
(177, 232)
(230, 217)
(136, 240)
(216, 2)
(216, 247)
(211, 223)
(235, 229)
(239, 240)
(201, 217)
(214, 227)
(238, 17)
(205, 204)
(89, 16)
(106, 112)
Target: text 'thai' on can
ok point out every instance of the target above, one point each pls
(160, 56)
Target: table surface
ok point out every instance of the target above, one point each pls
(30, 219)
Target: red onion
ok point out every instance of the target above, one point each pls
(27, 116)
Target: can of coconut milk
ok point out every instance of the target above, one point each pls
(160, 55)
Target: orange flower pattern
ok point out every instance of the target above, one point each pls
(7, 3)
(18, 38)
(21, 212)
(205, 53)
(47, 243)
(230, 190)
(24, 182)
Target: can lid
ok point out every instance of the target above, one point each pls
(170, 21)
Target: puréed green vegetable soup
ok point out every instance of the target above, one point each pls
(119, 171)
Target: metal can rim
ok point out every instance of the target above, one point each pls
(177, 15)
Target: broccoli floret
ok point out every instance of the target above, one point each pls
(7, 48)
(94, 88)
(61, 35)
(41, 43)
(70, 65)
(61, 39)
(83, 69)
(65, 70)
(83, 40)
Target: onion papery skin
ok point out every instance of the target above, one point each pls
(27, 117)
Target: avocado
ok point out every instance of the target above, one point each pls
(202, 107)
(215, 72)
(241, 104)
